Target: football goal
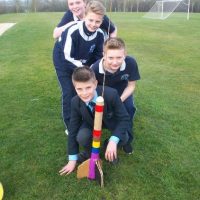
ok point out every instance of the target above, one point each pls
(162, 9)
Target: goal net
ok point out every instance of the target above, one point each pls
(164, 8)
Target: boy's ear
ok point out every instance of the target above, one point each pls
(73, 82)
(125, 53)
(96, 83)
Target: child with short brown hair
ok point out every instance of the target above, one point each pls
(115, 119)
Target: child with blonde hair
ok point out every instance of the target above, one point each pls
(121, 71)
(76, 12)
(80, 44)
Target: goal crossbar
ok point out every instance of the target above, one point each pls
(162, 9)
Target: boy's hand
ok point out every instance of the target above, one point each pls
(111, 151)
(67, 169)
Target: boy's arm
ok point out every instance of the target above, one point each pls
(72, 144)
(121, 121)
(69, 45)
(109, 27)
(73, 147)
(116, 117)
(58, 30)
(132, 70)
(128, 90)
(75, 123)
(62, 24)
(114, 33)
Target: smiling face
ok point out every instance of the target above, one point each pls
(93, 21)
(85, 90)
(77, 7)
(113, 59)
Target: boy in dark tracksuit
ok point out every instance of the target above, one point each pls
(76, 12)
(115, 119)
(80, 44)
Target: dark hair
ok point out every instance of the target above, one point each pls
(83, 74)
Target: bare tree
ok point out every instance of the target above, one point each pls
(194, 6)
(2, 7)
(138, 4)
(17, 6)
(125, 5)
(131, 5)
(7, 6)
(34, 5)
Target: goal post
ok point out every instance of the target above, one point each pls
(188, 10)
(162, 9)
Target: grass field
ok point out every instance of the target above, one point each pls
(166, 162)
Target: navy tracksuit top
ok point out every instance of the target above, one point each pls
(77, 46)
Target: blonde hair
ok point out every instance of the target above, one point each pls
(85, 1)
(95, 7)
(113, 43)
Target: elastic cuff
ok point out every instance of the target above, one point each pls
(73, 157)
(114, 139)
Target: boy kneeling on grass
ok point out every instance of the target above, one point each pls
(115, 119)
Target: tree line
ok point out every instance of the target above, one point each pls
(17, 6)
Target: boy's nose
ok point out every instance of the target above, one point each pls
(115, 62)
(93, 24)
(84, 92)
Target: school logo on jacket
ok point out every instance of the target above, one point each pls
(124, 77)
(83, 61)
(92, 48)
